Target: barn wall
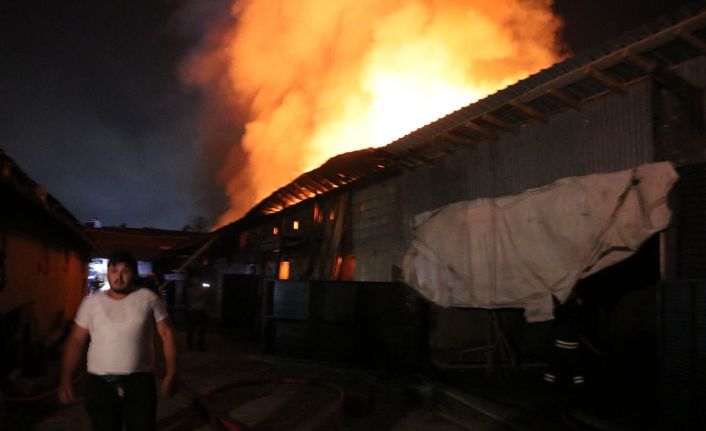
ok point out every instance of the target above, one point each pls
(681, 110)
(609, 134)
(46, 280)
(694, 71)
(377, 231)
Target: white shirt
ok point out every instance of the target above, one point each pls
(122, 331)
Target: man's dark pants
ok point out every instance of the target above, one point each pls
(114, 400)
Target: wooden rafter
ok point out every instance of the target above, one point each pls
(314, 184)
(641, 61)
(563, 97)
(455, 140)
(294, 190)
(528, 110)
(408, 163)
(287, 198)
(480, 129)
(495, 121)
(420, 156)
(604, 79)
(694, 41)
(446, 144)
(305, 187)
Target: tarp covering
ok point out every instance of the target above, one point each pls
(518, 251)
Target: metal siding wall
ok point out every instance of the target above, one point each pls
(378, 230)
(609, 134)
(695, 72)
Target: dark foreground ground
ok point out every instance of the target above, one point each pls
(232, 384)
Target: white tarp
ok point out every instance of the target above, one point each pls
(518, 251)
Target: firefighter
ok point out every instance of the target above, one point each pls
(564, 368)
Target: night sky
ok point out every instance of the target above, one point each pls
(94, 109)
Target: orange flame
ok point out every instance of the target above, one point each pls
(315, 78)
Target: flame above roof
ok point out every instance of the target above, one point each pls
(610, 67)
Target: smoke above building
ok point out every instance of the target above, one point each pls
(288, 85)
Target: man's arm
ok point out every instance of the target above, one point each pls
(74, 349)
(166, 333)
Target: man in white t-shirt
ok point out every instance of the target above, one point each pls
(120, 323)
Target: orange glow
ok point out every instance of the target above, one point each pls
(275, 230)
(316, 212)
(348, 268)
(295, 225)
(283, 270)
(316, 78)
(337, 268)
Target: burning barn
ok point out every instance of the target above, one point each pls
(44, 254)
(583, 183)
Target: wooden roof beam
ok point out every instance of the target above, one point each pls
(692, 40)
(480, 129)
(306, 188)
(563, 97)
(528, 110)
(285, 198)
(313, 185)
(420, 157)
(455, 140)
(495, 121)
(296, 190)
(331, 184)
(640, 60)
(604, 79)
(445, 144)
(408, 163)
(671, 81)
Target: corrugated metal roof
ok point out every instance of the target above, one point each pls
(610, 67)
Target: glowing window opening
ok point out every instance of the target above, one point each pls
(284, 267)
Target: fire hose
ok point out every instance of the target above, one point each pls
(220, 421)
(40, 396)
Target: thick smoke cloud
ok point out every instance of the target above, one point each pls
(312, 79)
(94, 105)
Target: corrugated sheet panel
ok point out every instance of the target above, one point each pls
(376, 325)
(377, 231)
(609, 134)
(695, 72)
(288, 300)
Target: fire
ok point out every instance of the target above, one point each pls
(311, 79)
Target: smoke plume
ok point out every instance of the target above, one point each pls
(290, 84)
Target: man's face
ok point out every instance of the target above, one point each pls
(120, 277)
